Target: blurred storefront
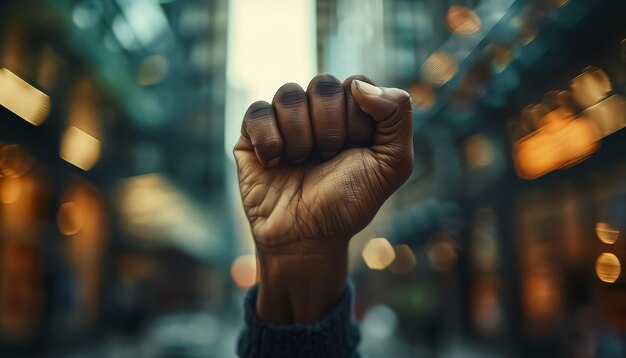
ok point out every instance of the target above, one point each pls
(118, 227)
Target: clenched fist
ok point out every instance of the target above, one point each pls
(314, 168)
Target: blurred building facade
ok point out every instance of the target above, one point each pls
(116, 233)
(112, 171)
(519, 177)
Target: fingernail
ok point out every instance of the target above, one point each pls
(273, 163)
(367, 89)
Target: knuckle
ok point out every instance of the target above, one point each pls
(401, 97)
(290, 94)
(326, 85)
(259, 110)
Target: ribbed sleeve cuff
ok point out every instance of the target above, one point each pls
(335, 335)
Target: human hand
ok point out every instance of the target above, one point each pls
(314, 168)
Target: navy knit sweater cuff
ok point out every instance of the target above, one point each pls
(336, 335)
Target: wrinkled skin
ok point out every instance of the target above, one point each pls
(314, 168)
(319, 199)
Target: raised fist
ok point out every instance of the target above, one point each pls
(314, 168)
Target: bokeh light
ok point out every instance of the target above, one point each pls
(86, 14)
(21, 98)
(152, 70)
(244, 271)
(560, 141)
(80, 148)
(378, 254)
(379, 322)
(590, 87)
(607, 233)
(479, 151)
(423, 97)
(439, 68)
(10, 190)
(442, 253)
(608, 267)
(462, 20)
(609, 115)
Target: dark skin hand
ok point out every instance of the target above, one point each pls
(314, 168)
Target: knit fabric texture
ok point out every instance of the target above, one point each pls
(334, 336)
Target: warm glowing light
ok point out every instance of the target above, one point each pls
(10, 190)
(608, 267)
(609, 115)
(560, 142)
(243, 271)
(442, 254)
(24, 100)
(462, 20)
(540, 296)
(154, 208)
(606, 233)
(590, 87)
(378, 254)
(69, 219)
(479, 151)
(439, 68)
(152, 70)
(423, 97)
(534, 156)
(79, 148)
(405, 260)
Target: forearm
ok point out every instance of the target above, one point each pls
(299, 188)
(301, 287)
(334, 335)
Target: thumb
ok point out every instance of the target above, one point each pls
(389, 107)
(391, 110)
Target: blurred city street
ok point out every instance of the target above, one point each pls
(122, 232)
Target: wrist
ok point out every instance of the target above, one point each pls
(301, 284)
